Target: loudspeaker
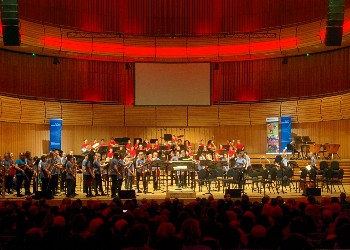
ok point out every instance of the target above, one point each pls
(313, 191)
(43, 194)
(335, 20)
(234, 193)
(127, 194)
(10, 23)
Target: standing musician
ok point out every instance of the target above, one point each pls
(174, 157)
(98, 174)
(129, 172)
(75, 167)
(155, 172)
(36, 160)
(63, 174)
(45, 173)
(146, 172)
(139, 167)
(115, 172)
(89, 173)
(240, 165)
(29, 172)
(54, 167)
(70, 176)
(8, 164)
(20, 167)
(83, 170)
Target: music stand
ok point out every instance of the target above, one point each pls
(200, 148)
(223, 151)
(168, 137)
(205, 163)
(153, 141)
(163, 148)
(102, 150)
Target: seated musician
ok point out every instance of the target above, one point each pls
(112, 143)
(201, 143)
(231, 152)
(156, 146)
(102, 142)
(313, 161)
(86, 146)
(95, 144)
(211, 145)
(128, 146)
(110, 153)
(240, 161)
(132, 152)
(239, 146)
(136, 145)
(225, 159)
(146, 145)
(218, 150)
(187, 145)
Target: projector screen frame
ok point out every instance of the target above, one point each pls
(211, 67)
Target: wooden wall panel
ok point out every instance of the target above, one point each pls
(260, 111)
(76, 114)
(203, 116)
(236, 114)
(108, 115)
(345, 106)
(33, 111)
(171, 116)
(309, 110)
(289, 108)
(140, 116)
(10, 109)
(53, 110)
(330, 108)
(17, 137)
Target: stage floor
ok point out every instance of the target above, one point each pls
(188, 195)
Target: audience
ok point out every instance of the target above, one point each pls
(206, 223)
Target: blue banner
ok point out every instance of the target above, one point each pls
(286, 131)
(55, 134)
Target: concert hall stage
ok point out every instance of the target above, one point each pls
(186, 195)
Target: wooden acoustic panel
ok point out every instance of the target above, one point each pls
(203, 116)
(76, 114)
(309, 110)
(53, 110)
(234, 114)
(171, 116)
(345, 106)
(10, 109)
(108, 115)
(140, 116)
(33, 111)
(260, 111)
(289, 108)
(330, 108)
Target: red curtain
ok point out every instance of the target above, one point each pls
(151, 17)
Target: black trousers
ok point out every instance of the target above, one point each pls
(27, 180)
(98, 183)
(19, 183)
